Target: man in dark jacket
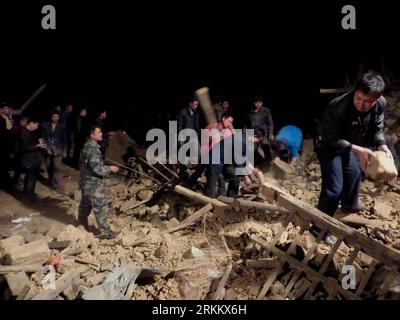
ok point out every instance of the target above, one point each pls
(80, 133)
(102, 124)
(31, 157)
(16, 131)
(67, 119)
(54, 135)
(260, 119)
(5, 147)
(350, 124)
(188, 117)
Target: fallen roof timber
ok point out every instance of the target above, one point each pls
(374, 249)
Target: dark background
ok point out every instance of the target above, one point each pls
(142, 60)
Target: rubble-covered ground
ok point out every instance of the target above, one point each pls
(189, 262)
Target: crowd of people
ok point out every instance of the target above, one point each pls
(28, 143)
(351, 128)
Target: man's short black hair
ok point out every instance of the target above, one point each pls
(193, 99)
(54, 111)
(218, 98)
(92, 129)
(370, 83)
(5, 104)
(227, 114)
(275, 145)
(258, 97)
(33, 119)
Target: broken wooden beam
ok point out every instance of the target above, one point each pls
(262, 264)
(305, 268)
(189, 221)
(373, 248)
(32, 97)
(218, 293)
(133, 170)
(60, 285)
(253, 204)
(155, 169)
(29, 268)
(355, 220)
(197, 196)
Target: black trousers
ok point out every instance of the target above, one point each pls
(215, 173)
(30, 180)
(341, 177)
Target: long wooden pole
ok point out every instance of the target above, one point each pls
(133, 170)
(32, 97)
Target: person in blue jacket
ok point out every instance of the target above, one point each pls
(287, 144)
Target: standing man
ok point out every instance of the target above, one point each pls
(31, 156)
(188, 118)
(287, 144)
(67, 119)
(350, 124)
(218, 107)
(54, 135)
(80, 134)
(16, 132)
(93, 172)
(101, 123)
(260, 119)
(6, 145)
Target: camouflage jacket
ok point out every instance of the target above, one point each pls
(92, 165)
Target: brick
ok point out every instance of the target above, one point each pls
(10, 242)
(17, 282)
(383, 210)
(33, 252)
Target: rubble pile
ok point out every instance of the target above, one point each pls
(159, 255)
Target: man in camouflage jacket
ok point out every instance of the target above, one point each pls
(93, 172)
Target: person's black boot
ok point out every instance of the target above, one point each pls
(108, 234)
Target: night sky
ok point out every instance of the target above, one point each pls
(143, 61)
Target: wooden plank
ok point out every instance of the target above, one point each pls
(253, 204)
(155, 169)
(24, 292)
(350, 261)
(355, 220)
(309, 253)
(137, 204)
(60, 285)
(197, 196)
(323, 268)
(282, 229)
(380, 252)
(303, 288)
(221, 285)
(32, 97)
(366, 277)
(386, 285)
(310, 272)
(264, 264)
(290, 250)
(332, 294)
(189, 221)
(270, 281)
(30, 268)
